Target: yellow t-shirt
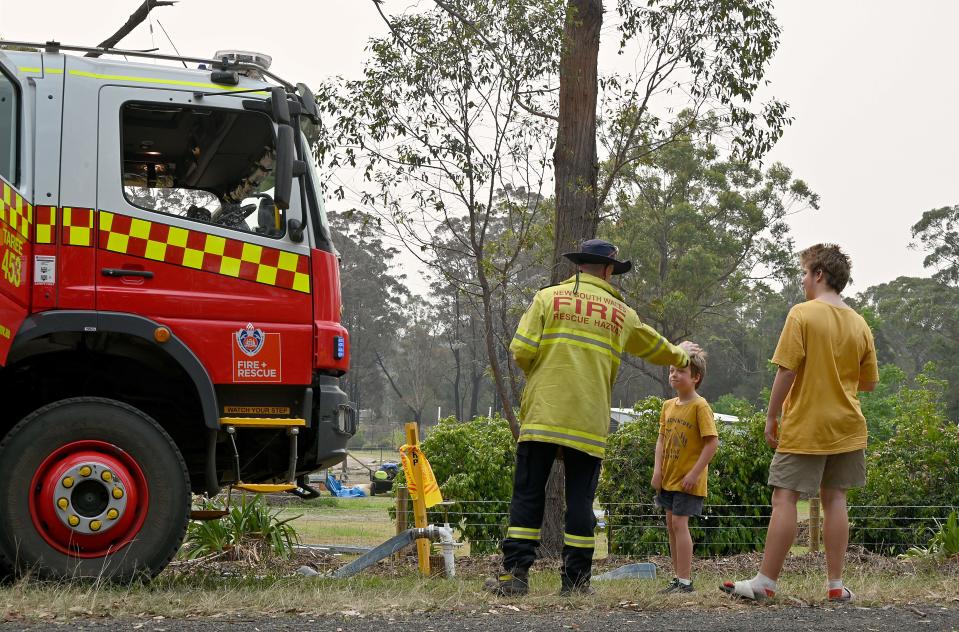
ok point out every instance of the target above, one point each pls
(831, 350)
(683, 427)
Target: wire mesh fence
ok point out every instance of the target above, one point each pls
(721, 528)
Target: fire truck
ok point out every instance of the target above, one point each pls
(169, 301)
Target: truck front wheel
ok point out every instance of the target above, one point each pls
(91, 487)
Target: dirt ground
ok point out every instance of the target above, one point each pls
(754, 619)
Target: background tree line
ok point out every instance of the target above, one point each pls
(449, 150)
(484, 141)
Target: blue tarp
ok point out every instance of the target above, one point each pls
(336, 488)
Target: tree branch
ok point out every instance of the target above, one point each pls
(133, 21)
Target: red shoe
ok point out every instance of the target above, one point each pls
(744, 590)
(840, 595)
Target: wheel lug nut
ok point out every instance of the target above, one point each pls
(68, 482)
(63, 503)
(113, 514)
(73, 521)
(106, 475)
(86, 470)
(95, 525)
(117, 493)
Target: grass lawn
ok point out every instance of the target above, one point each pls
(349, 521)
(398, 590)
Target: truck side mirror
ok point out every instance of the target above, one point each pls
(283, 171)
(295, 230)
(308, 101)
(281, 109)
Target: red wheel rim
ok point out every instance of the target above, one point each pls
(113, 532)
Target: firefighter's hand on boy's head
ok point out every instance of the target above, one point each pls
(689, 347)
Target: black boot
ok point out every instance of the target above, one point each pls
(514, 584)
(580, 587)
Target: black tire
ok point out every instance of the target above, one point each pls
(38, 435)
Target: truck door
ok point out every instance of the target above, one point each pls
(187, 234)
(16, 212)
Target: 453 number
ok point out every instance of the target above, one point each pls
(12, 266)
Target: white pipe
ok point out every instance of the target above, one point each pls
(447, 543)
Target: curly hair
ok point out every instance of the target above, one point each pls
(831, 261)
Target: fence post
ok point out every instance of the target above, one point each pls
(610, 542)
(402, 505)
(814, 525)
(419, 502)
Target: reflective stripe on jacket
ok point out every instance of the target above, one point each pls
(569, 345)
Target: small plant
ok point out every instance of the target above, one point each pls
(944, 542)
(249, 532)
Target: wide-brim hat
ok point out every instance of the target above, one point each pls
(599, 251)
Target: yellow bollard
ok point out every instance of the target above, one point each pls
(419, 501)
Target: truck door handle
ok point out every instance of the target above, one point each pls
(116, 272)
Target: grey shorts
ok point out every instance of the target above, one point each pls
(680, 503)
(806, 473)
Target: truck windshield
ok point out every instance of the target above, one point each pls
(309, 130)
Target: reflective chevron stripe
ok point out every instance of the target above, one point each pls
(582, 441)
(522, 533)
(579, 541)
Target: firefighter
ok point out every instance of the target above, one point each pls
(569, 344)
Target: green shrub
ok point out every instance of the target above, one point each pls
(473, 462)
(250, 532)
(879, 406)
(913, 477)
(732, 405)
(737, 504)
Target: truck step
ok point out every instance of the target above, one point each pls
(262, 422)
(265, 488)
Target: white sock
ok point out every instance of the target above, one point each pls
(834, 584)
(762, 582)
(684, 582)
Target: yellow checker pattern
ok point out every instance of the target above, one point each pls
(201, 251)
(77, 226)
(15, 211)
(46, 224)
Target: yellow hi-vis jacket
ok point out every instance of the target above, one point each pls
(569, 346)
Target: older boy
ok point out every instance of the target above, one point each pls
(687, 443)
(825, 355)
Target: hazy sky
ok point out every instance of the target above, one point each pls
(871, 86)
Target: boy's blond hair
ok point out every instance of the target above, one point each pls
(834, 263)
(697, 366)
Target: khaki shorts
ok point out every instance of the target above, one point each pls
(806, 473)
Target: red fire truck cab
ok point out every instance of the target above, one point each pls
(169, 302)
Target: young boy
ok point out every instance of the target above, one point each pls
(825, 355)
(686, 444)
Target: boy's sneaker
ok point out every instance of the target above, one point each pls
(840, 595)
(677, 586)
(670, 587)
(683, 588)
(507, 585)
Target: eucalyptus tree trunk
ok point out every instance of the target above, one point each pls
(576, 169)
